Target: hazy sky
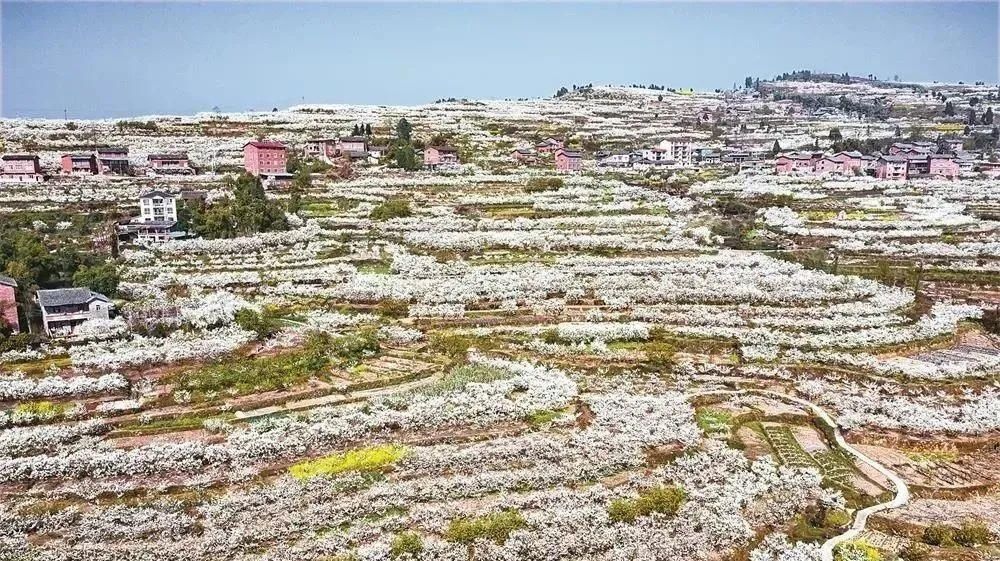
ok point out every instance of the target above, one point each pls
(125, 59)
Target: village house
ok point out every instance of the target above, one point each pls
(989, 169)
(795, 162)
(64, 310)
(79, 164)
(8, 304)
(615, 161)
(523, 156)
(943, 166)
(320, 148)
(265, 158)
(919, 147)
(893, 167)
(568, 160)
(352, 145)
(682, 153)
(657, 156)
(20, 168)
(157, 220)
(549, 146)
(376, 152)
(112, 160)
(440, 157)
(169, 164)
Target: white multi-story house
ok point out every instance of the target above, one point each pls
(66, 309)
(158, 206)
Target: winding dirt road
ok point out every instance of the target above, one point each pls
(902, 491)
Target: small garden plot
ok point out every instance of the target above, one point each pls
(787, 448)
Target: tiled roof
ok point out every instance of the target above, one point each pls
(65, 296)
(152, 194)
(7, 281)
(264, 144)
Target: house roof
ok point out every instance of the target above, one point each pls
(353, 139)
(264, 144)
(78, 156)
(525, 151)
(895, 159)
(20, 157)
(570, 153)
(65, 296)
(151, 194)
(111, 149)
(177, 156)
(443, 148)
(7, 281)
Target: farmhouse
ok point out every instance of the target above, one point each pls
(20, 168)
(8, 304)
(79, 164)
(320, 148)
(549, 146)
(112, 160)
(892, 167)
(523, 155)
(64, 310)
(568, 160)
(265, 158)
(169, 164)
(440, 157)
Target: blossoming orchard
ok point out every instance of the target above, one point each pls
(501, 330)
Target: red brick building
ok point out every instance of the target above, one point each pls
(265, 157)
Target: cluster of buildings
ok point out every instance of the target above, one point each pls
(64, 310)
(903, 161)
(357, 148)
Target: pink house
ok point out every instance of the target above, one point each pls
(830, 165)
(8, 303)
(20, 168)
(523, 155)
(112, 160)
(892, 167)
(79, 164)
(568, 160)
(989, 169)
(440, 157)
(352, 144)
(167, 164)
(549, 145)
(265, 157)
(941, 165)
(795, 162)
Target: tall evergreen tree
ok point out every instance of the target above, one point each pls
(403, 130)
(988, 116)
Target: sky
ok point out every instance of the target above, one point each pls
(102, 60)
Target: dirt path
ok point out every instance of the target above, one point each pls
(861, 519)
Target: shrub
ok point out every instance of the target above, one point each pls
(407, 543)
(351, 349)
(663, 500)
(915, 551)
(858, 550)
(972, 532)
(393, 308)
(497, 527)
(393, 208)
(938, 534)
(263, 324)
(836, 518)
(370, 459)
(538, 184)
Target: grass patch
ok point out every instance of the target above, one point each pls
(407, 543)
(713, 420)
(661, 500)
(496, 527)
(370, 459)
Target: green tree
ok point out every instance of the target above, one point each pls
(949, 109)
(251, 210)
(406, 157)
(988, 116)
(835, 134)
(102, 278)
(403, 130)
